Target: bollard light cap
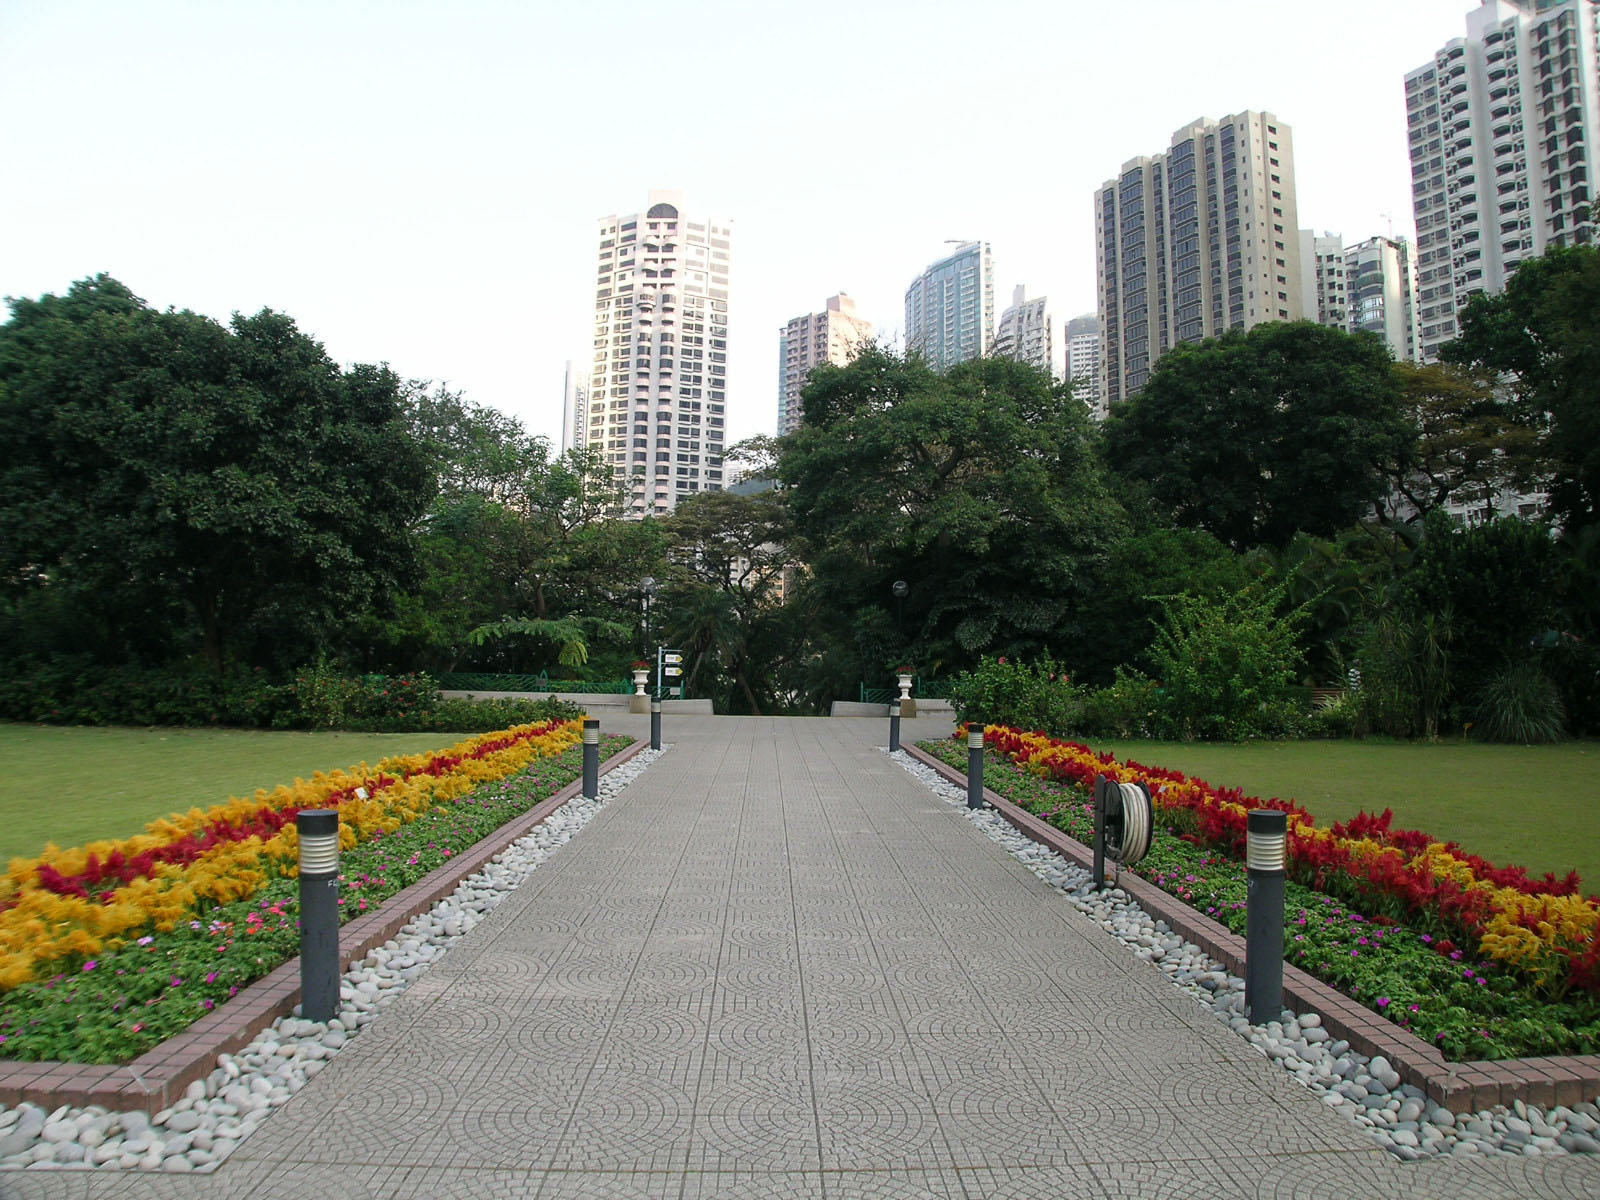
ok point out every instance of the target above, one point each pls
(319, 841)
(1266, 839)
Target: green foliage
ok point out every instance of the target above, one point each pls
(1262, 433)
(1542, 335)
(1518, 704)
(158, 460)
(1227, 664)
(74, 691)
(979, 488)
(1038, 697)
(1131, 706)
(1470, 447)
(1117, 617)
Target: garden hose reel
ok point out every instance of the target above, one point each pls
(1126, 822)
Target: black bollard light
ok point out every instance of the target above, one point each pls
(1266, 836)
(655, 723)
(894, 725)
(974, 763)
(591, 757)
(319, 912)
(1102, 786)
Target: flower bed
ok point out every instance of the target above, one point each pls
(205, 917)
(1482, 961)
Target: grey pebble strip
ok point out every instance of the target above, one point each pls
(198, 1132)
(1398, 1115)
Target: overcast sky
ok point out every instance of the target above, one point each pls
(418, 183)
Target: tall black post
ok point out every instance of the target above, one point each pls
(894, 725)
(974, 763)
(591, 758)
(655, 723)
(319, 912)
(1101, 785)
(1266, 834)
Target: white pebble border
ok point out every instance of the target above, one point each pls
(198, 1132)
(1399, 1115)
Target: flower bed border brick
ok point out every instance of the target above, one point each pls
(158, 1078)
(1460, 1087)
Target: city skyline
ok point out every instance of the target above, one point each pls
(418, 184)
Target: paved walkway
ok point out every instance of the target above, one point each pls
(778, 966)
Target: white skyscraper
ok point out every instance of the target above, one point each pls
(1083, 360)
(1198, 240)
(574, 407)
(1502, 126)
(950, 307)
(658, 384)
(1322, 281)
(834, 335)
(1025, 332)
(1381, 293)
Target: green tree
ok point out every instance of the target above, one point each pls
(979, 488)
(1542, 333)
(722, 602)
(1119, 614)
(159, 456)
(1469, 447)
(1262, 433)
(1227, 664)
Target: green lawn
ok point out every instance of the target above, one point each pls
(72, 784)
(1533, 806)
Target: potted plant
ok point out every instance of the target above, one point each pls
(641, 676)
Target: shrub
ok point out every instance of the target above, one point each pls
(1039, 697)
(1227, 665)
(1519, 704)
(1129, 708)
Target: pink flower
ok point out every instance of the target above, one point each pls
(90, 965)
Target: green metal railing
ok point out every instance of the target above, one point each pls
(468, 681)
(921, 689)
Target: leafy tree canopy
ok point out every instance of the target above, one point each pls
(152, 456)
(1259, 434)
(979, 488)
(1543, 334)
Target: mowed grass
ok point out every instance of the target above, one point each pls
(71, 785)
(1531, 806)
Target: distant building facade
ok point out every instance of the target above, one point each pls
(658, 382)
(1322, 279)
(1083, 360)
(1381, 293)
(950, 307)
(574, 406)
(1502, 126)
(1025, 332)
(1195, 241)
(834, 335)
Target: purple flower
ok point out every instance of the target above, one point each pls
(1383, 1002)
(90, 965)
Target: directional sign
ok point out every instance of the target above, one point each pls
(671, 658)
(673, 671)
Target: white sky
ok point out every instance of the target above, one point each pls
(418, 183)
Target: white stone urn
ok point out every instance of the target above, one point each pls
(641, 676)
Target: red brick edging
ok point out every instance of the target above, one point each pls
(1458, 1086)
(158, 1078)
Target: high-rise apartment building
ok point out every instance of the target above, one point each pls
(950, 307)
(834, 335)
(1322, 280)
(1195, 241)
(1025, 332)
(1083, 360)
(1502, 125)
(574, 406)
(1381, 293)
(658, 383)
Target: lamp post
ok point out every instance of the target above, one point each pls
(901, 590)
(1266, 837)
(647, 591)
